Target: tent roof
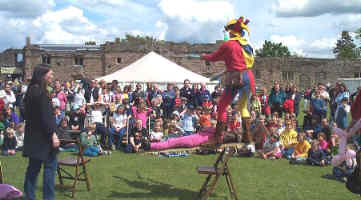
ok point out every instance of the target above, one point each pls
(154, 68)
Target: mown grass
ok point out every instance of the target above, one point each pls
(131, 176)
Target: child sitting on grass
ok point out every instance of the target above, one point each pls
(19, 134)
(89, 141)
(316, 156)
(156, 134)
(271, 148)
(9, 146)
(302, 147)
(323, 144)
(288, 139)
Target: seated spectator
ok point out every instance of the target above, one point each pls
(316, 156)
(271, 149)
(342, 170)
(302, 147)
(9, 146)
(19, 134)
(260, 133)
(205, 118)
(156, 134)
(62, 132)
(89, 141)
(288, 140)
(96, 115)
(138, 139)
(188, 120)
(141, 112)
(10, 116)
(58, 116)
(315, 127)
(256, 105)
(323, 143)
(118, 127)
(76, 119)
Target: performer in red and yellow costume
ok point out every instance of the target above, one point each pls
(238, 57)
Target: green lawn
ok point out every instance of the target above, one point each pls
(131, 176)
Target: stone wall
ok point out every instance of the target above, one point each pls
(113, 56)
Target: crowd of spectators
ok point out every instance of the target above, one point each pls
(110, 117)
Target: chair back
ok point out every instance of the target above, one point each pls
(1, 174)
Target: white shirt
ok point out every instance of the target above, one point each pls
(79, 99)
(120, 120)
(56, 101)
(8, 98)
(156, 135)
(97, 116)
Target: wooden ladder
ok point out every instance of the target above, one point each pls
(214, 172)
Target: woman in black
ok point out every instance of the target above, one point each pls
(40, 140)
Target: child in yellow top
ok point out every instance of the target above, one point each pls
(300, 153)
(288, 140)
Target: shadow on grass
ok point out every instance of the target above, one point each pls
(154, 189)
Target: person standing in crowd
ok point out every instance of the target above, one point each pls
(318, 106)
(92, 93)
(203, 94)
(276, 99)
(168, 100)
(8, 94)
(186, 91)
(266, 110)
(61, 96)
(40, 139)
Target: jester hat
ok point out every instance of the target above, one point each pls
(237, 26)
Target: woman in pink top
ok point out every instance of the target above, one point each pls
(323, 144)
(141, 112)
(61, 95)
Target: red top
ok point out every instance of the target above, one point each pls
(231, 53)
(288, 106)
(356, 108)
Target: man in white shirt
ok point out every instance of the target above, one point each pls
(9, 96)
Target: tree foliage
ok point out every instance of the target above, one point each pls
(272, 49)
(346, 48)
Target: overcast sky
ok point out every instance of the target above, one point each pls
(308, 27)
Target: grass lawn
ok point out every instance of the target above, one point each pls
(130, 176)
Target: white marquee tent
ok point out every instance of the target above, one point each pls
(155, 69)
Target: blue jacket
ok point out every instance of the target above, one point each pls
(319, 107)
(276, 98)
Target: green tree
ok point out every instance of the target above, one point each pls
(272, 49)
(346, 48)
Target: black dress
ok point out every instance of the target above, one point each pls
(39, 125)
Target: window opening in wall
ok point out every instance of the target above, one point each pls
(357, 75)
(78, 60)
(287, 76)
(19, 57)
(46, 59)
(119, 60)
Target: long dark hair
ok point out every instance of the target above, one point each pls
(37, 80)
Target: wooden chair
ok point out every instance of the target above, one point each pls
(1, 174)
(79, 165)
(214, 172)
